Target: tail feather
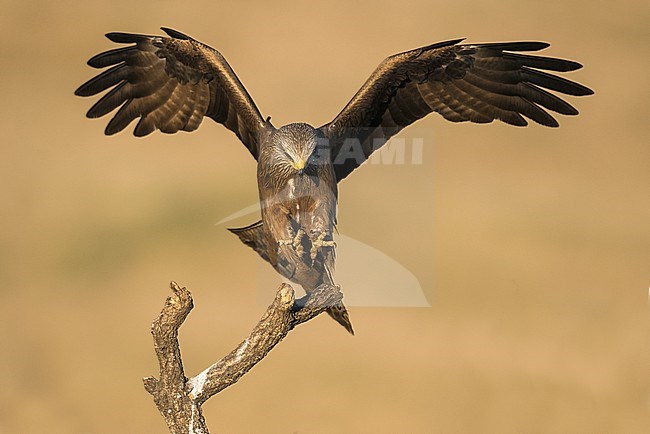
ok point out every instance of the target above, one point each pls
(254, 237)
(339, 313)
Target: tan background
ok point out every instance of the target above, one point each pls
(532, 245)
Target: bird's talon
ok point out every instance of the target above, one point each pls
(297, 240)
(318, 243)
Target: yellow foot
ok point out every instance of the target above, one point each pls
(295, 242)
(318, 243)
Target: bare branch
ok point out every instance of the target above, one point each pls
(179, 411)
(179, 399)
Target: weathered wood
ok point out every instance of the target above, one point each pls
(179, 399)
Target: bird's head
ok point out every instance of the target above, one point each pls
(297, 149)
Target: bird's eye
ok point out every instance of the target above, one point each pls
(285, 156)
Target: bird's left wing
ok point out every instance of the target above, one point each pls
(171, 84)
(473, 82)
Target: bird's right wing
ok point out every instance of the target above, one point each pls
(171, 84)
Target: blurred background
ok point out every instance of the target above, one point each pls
(531, 245)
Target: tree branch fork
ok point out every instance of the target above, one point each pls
(179, 398)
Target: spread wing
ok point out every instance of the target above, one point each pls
(475, 82)
(171, 84)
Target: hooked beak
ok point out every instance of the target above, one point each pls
(299, 165)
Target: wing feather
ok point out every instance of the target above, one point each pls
(462, 82)
(171, 84)
(111, 57)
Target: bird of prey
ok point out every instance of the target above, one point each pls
(171, 83)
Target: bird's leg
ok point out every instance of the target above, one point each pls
(295, 240)
(318, 243)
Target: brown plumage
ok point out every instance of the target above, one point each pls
(172, 83)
